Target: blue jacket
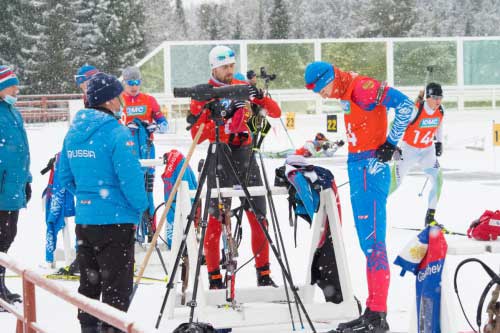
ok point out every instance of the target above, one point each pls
(99, 165)
(14, 159)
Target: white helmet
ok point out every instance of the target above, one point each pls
(220, 56)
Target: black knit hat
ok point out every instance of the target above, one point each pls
(102, 88)
(251, 74)
(433, 89)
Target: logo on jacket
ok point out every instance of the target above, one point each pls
(84, 153)
(346, 106)
(429, 122)
(138, 110)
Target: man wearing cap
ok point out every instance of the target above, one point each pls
(15, 176)
(365, 102)
(422, 144)
(140, 105)
(320, 146)
(236, 134)
(81, 78)
(110, 199)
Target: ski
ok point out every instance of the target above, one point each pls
(69, 277)
(445, 231)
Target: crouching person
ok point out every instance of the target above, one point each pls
(99, 166)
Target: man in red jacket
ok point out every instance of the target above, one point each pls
(236, 134)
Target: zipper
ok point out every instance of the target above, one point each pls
(4, 173)
(364, 178)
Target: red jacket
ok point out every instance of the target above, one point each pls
(241, 138)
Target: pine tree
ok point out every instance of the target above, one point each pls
(159, 23)
(123, 33)
(279, 21)
(180, 21)
(9, 34)
(388, 18)
(87, 39)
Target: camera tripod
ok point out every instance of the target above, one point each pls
(215, 155)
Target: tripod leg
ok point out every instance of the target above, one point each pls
(182, 247)
(269, 239)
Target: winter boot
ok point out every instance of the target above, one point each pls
(74, 268)
(264, 277)
(215, 280)
(5, 294)
(90, 329)
(369, 322)
(431, 221)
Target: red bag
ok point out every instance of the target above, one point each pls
(487, 227)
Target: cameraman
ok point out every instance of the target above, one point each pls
(235, 133)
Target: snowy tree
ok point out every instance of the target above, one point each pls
(388, 18)
(159, 23)
(8, 33)
(279, 21)
(87, 39)
(123, 34)
(180, 21)
(47, 69)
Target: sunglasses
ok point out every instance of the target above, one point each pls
(311, 85)
(435, 97)
(229, 54)
(133, 82)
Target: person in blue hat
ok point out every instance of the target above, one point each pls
(110, 199)
(365, 102)
(82, 77)
(15, 176)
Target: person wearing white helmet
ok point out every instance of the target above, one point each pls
(236, 133)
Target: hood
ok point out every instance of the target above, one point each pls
(86, 123)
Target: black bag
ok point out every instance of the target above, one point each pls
(195, 328)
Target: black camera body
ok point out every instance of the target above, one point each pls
(265, 76)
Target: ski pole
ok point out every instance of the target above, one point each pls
(423, 187)
(167, 208)
(287, 134)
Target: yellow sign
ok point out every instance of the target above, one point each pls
(496, 134)
(331, 123)
(290, 120)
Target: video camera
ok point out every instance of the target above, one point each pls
(206, 92)
(265, 76)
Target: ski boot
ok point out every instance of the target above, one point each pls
(431, 221)
(5, 293)
(215, 280)
(264, 277)
(369, 322)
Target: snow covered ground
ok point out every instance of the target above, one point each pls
(471, 185)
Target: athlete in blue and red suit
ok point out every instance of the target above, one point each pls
(365, 102)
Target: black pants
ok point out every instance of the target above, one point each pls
(248, 172)
(8, 230)
(106, 259)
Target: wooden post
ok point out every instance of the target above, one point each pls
(29, 303)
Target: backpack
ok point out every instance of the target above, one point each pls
(487, 227)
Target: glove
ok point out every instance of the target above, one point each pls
(27, 190)
(439, 148)
(163, 127)
(255, 93)
(385, 151)
(340, 143)
(256, 123)
(326, 145)
(236, 123)
(151, 128)
(235, 106)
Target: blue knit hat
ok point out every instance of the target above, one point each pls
(102, 88)
(7, 78)
(318, 75)
(85, 73)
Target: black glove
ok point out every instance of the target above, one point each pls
(27, 190)
(439, 148)
(326, 145)
(255, 92)
(256, 123)
(385, 151)
(234, 106)
(340, 143)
